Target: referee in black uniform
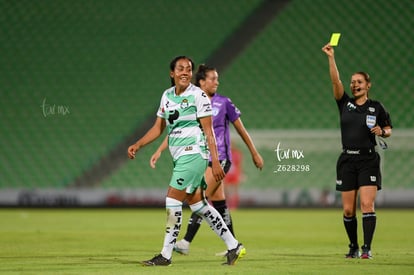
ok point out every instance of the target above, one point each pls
(358, 167)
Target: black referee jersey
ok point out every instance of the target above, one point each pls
(356, 122)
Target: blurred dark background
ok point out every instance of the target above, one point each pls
(81, 80)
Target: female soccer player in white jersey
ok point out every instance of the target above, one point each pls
(224, 114)
(185, 110)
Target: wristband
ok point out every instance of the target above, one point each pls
(382, 132)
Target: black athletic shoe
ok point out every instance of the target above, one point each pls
(234, 254)
(366, 252)
(353, 252)
(157, 260)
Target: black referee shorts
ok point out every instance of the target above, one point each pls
(354, 171)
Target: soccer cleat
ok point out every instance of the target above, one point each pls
(234, 254)
(182, 247)
(366, 252)
(353, 252)
(157, 260)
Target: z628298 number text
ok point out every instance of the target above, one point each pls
(288, 168)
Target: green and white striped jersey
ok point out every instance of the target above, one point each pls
(182, 113)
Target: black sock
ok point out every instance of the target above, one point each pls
(192, 227)
(221, 207)
(351, 227)
(369, 221)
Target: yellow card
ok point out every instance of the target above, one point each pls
(335, 39)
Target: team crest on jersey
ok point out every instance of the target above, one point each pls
(215, 111)
(371, 121)
(184, 103)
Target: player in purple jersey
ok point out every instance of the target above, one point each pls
(224, 113)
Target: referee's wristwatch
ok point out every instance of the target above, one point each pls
(382, 132)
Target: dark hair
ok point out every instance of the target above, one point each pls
(173, 63)
(365, 75)
(201, 73)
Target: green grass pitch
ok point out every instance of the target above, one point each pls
(278, 241)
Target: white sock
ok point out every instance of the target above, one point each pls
(174, 218)
(216, 222)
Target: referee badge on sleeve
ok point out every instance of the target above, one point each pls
(371, 121)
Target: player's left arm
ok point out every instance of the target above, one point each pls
(384, 127)
(384, 132)
(157, 153)
(241, 130)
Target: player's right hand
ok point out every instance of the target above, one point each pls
(328, 49)
(218, 172)
(132, 150)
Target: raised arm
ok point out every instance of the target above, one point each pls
(241, 130)
(338, 88)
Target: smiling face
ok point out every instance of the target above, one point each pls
(360, 85)
(182, 74)
(210, 83)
